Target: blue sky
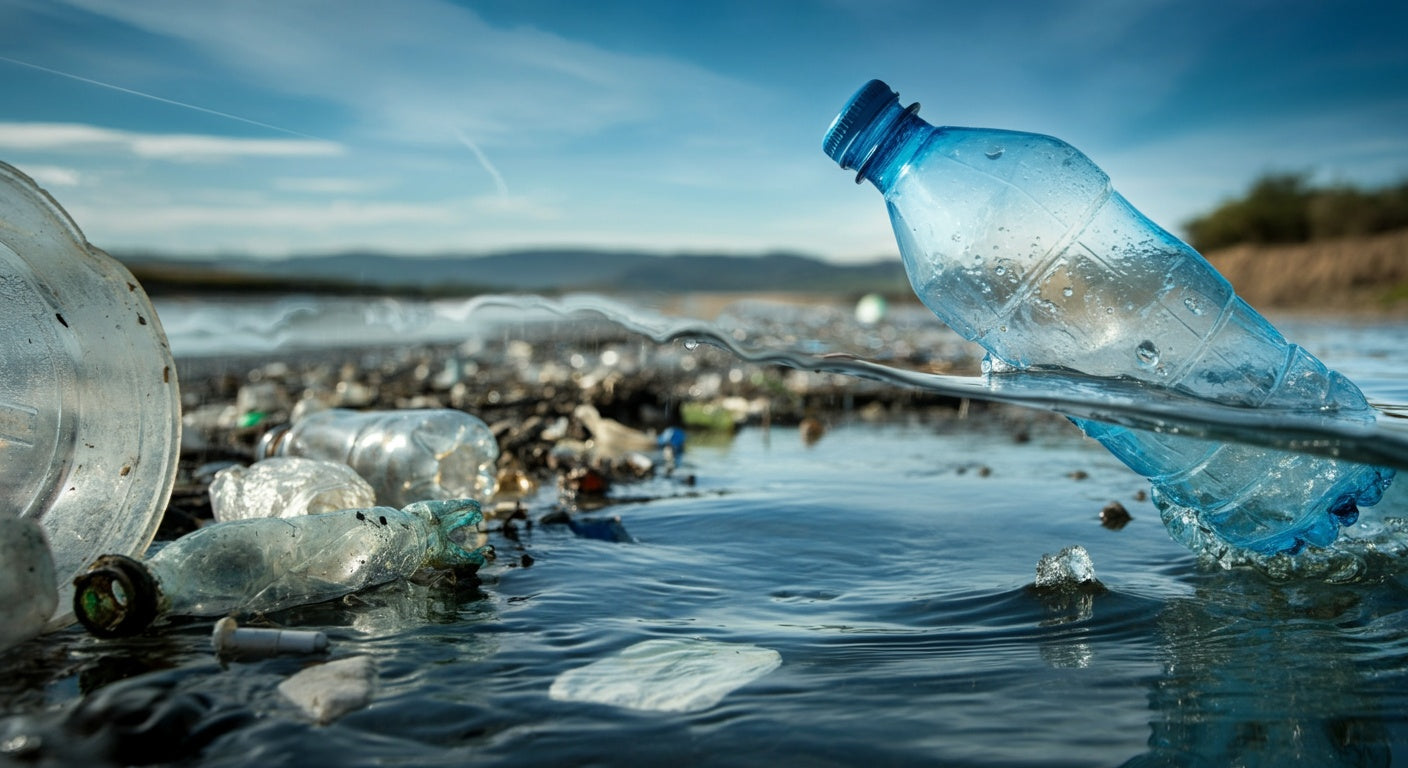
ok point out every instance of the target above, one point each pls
(422, 126)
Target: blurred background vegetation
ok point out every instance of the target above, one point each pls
(1286, 208)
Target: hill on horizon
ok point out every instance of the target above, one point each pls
(538, 270)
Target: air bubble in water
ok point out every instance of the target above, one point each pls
(1147, 353)
(691, 344)
(994, 152)
(1001, 270)
(1068, 291)
(1193, 306)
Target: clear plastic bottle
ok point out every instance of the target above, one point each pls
(407, 456)
(271, 563)
(287, 486)
(1018, 242)
(90, 425)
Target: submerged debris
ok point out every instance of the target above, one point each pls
(1114, 516)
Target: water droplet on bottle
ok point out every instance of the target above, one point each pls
(1002, 329)
(691, 344)
(1001, 270)
(1109, 310)
(1068, 291)
(1193, 306)
(1147, 353)
(994, 152)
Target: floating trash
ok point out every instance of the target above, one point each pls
(329, 691)
(667, 675)
(1067, 569)
(287, 486)
(268, 564)
(230, 640)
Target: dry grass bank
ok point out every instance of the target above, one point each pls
(1366, 275)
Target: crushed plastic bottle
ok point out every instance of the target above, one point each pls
(407, 456)
(268, 564)
(1018, 242)
(89, 410)
(28, 593)
(287, 486)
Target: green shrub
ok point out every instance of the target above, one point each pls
(1284, 208)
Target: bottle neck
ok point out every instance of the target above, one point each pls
(874, 136)
(450, 524)
(117, 596)
(882, 149)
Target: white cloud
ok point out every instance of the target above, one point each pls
(427, 68)
(327, 185)
(164, 146)
(53, 175)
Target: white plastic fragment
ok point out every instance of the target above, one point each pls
(230, 639)
(329, 691)
(1071, 567)
(27, 582)
(667, 675)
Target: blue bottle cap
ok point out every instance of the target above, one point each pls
(867, 102)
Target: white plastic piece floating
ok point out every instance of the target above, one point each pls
(230, 639)
(329, 691)
(667, 675)
(1067, 569)
(27, 591)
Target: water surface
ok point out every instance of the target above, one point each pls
(890, 564)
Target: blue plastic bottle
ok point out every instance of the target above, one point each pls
(1018, 242)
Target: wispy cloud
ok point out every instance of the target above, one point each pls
(327, 185)
(484, 161)
(414, 74)
(53, 175)
(173, 146)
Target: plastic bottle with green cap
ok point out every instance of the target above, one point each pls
(268, 564)
(1018, 242)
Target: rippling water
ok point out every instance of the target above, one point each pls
(890, 565)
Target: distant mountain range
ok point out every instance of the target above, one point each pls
(540, 270)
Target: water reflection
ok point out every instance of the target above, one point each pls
(1258, 673)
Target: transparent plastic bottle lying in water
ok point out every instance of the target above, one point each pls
(1018, 242)
(407, 456)
(267, 564)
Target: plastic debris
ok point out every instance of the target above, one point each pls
(329, 691)
(268, 564)
(229, 639)
(1067, 569)
(89, 410)
(407, 456)
(667, 675)
(287, 487)
(27, 591)
(1018, 242)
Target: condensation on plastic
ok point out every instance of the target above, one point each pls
(89, 409)
(287, 487)
(1018, 242)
